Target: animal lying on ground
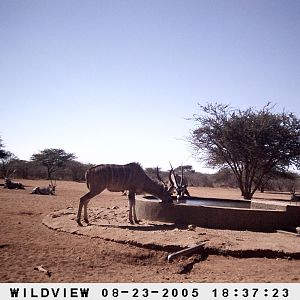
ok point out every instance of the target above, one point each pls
(11, 185)
(46, 190)
(117, 178)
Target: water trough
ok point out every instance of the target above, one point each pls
(220, 213)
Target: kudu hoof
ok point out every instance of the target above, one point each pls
(87, 222)
(79, 223)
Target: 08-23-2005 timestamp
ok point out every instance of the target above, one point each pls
(273, 293)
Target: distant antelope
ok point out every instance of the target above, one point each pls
(12, 185)
(45, 190)
(180, 184)
(177, 183)
(117, 178)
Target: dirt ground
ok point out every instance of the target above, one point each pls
(120, 252)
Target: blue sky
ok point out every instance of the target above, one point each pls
(114, 81)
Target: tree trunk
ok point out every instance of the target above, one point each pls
(247, 195)
(247, 191)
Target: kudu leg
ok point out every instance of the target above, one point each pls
(131, 198)
(84, 200)
(85, 213)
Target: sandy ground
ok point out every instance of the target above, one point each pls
(112, 250)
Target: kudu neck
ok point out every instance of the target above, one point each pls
(153, 188)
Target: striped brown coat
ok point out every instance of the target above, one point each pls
(117, 178)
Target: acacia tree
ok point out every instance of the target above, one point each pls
(8, 164)
(251, 142)
(52, 159)
(3, 153)
(77, 169)
(278, 174)
(7, 161)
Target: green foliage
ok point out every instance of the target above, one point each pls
(3, 153)
(52, 159)
(252, 143)
(8, 164)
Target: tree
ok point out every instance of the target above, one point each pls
(77, 169)
(3, 153)
(8, 164)
(250, 142)
(187, 169)
(52, 159)
(277, 174)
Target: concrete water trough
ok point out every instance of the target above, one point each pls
(220, 213)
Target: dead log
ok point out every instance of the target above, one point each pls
(42, 269)
(189, 250)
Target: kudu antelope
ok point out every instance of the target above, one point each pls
(117, 178)
(45, 190)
